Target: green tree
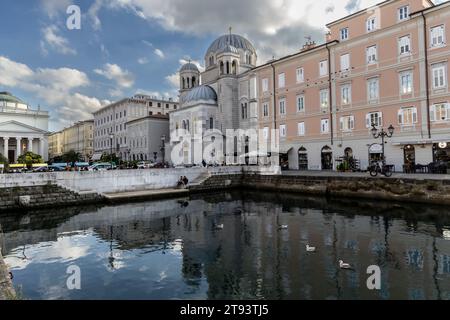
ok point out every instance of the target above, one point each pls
(29, 158)
(109, 158)
(72, 156)
(3, 160)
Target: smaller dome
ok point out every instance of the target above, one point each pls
(228, 49)
(201, 93)
(8, 97)
(189, 67)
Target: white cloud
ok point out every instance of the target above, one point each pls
(51, 39)
(58, 88)
(122, 78)
(159, 53)
(93, 14)
(55, 7)
(174, 80)
(143, 60)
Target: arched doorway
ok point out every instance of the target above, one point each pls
(302, 159)
(327, 158)
(409, 153)
(348, 153)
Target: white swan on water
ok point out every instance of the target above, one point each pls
(310, 249)
(344, 265)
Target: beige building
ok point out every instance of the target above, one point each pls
(78, 138)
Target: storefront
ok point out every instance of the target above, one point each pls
(441, 156)
(375, 153)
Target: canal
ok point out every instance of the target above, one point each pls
(239, 245)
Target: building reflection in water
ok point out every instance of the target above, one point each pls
(173, 249)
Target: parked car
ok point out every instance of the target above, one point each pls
(144, 165)
(102, 167)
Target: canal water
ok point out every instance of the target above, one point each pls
(231, 246)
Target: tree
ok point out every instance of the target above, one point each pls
(72, 156)
(3, 160)
(108, 158)
(29, 158)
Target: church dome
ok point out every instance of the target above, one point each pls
(189, 67)
(201, 93)
(228, 49)
(232, 40)
(8, 97)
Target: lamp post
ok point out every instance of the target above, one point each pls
(383, 135)
(163, 150)
(111, 137)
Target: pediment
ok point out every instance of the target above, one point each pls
(18, 127)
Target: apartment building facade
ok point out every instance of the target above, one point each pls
(111, 123)
(78, 138)
(386, 65)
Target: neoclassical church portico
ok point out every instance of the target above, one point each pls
(22, 129)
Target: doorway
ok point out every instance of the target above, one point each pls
(409, 158)
(11, 156)
(327, 158)
(302, 159)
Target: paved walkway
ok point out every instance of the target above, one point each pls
(145, 194)
(365, 175)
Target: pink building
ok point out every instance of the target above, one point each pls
(386, 65)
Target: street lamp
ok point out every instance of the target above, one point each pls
(163, 149)
(111, 137)
(382, 134)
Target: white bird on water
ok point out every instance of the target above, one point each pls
(283, 227)
(344, 265)
(310, 249)
(219, 226)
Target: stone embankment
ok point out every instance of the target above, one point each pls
(7, 291)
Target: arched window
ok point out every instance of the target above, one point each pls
(193, 81)
(187, 125)
(184, 83)
(221, 67)
(184, 125)
(228, 67)
(188, 83)
(234, 67)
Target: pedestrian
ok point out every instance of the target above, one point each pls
(185, 180)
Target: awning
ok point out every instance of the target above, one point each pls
(413, 142)
(96, 156)
(285, 149)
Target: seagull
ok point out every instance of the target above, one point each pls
(283, 227)
(344, 265)
(218, 226)
(310, 249)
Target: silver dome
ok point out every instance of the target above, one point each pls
(228, 49)
(189, 67)
(201, 93)
(233, 40)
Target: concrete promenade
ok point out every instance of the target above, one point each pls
(334, 174)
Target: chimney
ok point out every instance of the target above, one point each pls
(308, 45)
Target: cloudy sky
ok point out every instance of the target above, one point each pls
(136, 46)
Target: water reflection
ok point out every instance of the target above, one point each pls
(231, 246)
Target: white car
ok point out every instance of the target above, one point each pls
(102, 167)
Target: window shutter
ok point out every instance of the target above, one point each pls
(368, 124)
(433, 113)
(400, 116)
(380, 118)
(414, 110)
(447, 108)
(352, 122)
(342, 123)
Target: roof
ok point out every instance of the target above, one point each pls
(8, 97)
(228, 49)
(365, 9)
(151, 117)
(201, 93)
(233, 40)
(189, 67)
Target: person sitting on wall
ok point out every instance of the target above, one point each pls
(185, 181)
(181, 183)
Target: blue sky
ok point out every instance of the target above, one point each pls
(130, 46)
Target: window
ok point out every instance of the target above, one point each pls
(265, 85)
(265, 109)
(345, 62)
(244, 113)
(301, 128)
(323, 68)
(439, 76)
(404, 45)
(440, 112)
(371, 54)
(266, 133)
(281, 80)
(347, 123)
(344, 34)
(374, 118)
(283, 130)
(437, 36)
(407, 116)
(406, 82)
(300, 75)
(324, 128)
(324, 99)
(301, 103)
(371, 24)
(403, 13)
(372, 88)
(346, 94)
(282, 104)
(211, 123)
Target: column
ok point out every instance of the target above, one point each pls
(30, 144)
(18, 147)
(41, 148)
(6, 147)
